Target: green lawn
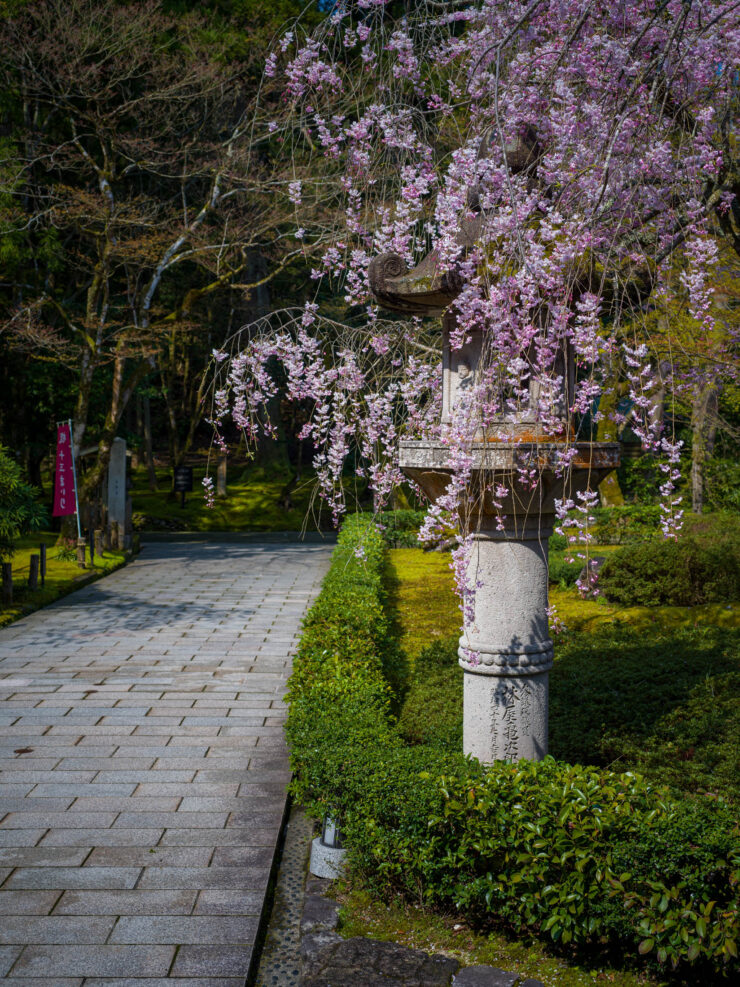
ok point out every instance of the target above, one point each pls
(61, 577)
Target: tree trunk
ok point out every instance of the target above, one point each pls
(173, 438)
(147, 416)
(703, 431)
(120, 396)
(610, 493)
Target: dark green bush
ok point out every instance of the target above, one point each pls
(624, 525)
(20, 511)
(722, 484)
(557, 542)
(400, 529)
(685, 572)
(582, 855)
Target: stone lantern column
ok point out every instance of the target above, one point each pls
(506, 653)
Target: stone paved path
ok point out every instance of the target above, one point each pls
(143, 767)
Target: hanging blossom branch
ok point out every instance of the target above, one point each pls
(555, 157)
(361, 385)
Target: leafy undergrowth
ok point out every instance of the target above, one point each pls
(363, 915)
(61, 576)
(665, 702)
(257, 500)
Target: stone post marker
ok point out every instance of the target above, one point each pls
(505, 650)
(117, 484)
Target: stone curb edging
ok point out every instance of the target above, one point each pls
(327, 958)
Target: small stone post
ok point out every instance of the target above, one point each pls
(33, 573)
(116, 501)
(7, 583)
(81, 550)
(221, 475)
(98, 539)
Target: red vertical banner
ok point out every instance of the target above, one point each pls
(65, 501)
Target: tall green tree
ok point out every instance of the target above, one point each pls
(132, 195)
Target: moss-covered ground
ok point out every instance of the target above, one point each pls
(256, 500)
(62, 576)
(364, 915)
(654, 689)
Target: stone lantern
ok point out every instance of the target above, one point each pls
(505, 651)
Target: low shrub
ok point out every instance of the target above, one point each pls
(562, 571)
(686, 572)
(578, 854)
(66, 550)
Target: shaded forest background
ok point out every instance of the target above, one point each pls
(143, 220)
(141, 223)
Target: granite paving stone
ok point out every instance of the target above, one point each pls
(157, 856)
(45, 929)
(102, 837)
(43, 856)
(225, 961)
(229, 929)
(150, 982)
(138, 829)
(97, 960)
(136, 902)
(27, 902)
(8, 956)
(72, 877)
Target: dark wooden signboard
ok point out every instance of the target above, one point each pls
(183, 479)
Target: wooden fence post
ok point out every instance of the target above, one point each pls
(42, 563)
(33, 572)
(7, 584)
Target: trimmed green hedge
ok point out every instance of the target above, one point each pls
(579, 854)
